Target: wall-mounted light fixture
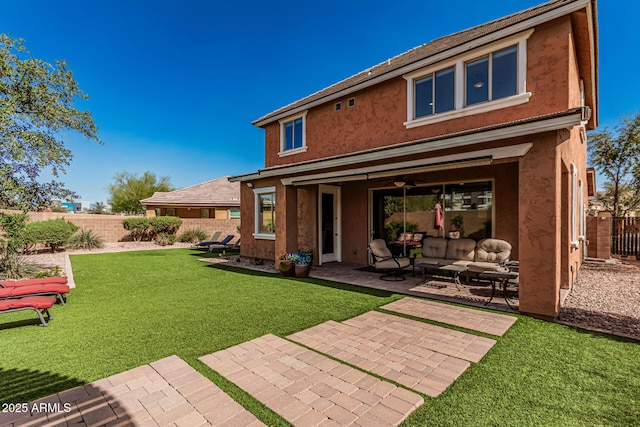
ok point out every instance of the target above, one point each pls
(250, 184)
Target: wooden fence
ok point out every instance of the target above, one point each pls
(625, 236)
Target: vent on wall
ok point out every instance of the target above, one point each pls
(338, 106)
(351, 102)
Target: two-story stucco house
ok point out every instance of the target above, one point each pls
(490, 122)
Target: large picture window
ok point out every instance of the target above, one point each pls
(265, 207)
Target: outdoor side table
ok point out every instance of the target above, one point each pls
(502, 277)
(457, 270)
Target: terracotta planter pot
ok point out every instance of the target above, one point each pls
(286, 268)
(302, 270)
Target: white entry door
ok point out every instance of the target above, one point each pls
(329, 224)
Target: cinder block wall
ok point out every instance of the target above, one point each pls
(110, 228)
(599, 236)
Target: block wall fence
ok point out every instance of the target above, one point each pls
(110, 228)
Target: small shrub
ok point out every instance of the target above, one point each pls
(85, 239)
(164, 239)
(138, 227)
(164, 225)
(49, 272)
(194, 235)
(53, 233)
(394, 228)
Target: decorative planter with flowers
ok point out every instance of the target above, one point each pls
(298, 263)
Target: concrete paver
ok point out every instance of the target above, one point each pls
(423, 357)
(482, 321)
(309, 389)
(166, 392)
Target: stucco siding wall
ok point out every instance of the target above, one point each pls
(377, 118)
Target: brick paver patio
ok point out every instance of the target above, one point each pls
(309, 389)
(482, 321)
(424, 357)
(163, 393)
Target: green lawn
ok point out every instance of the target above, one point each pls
(137, 307)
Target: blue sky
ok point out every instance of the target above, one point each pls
(175, 84)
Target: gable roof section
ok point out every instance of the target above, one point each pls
(437, 50)
(217, 192)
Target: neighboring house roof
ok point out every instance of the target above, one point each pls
(217, 192)
(417, 56)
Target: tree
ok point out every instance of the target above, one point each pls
(616, 156)
(99, 209)
(128, 189)
(37, 107)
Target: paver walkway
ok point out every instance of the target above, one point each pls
(482, 321)
(424, 357)
(309, 389)
(166, 392)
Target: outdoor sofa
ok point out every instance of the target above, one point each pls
(478, 257)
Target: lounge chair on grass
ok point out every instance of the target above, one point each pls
(214, 238)
(60, 280)
(40, 305)
(207, 245)
(235, 246)
(51, 289)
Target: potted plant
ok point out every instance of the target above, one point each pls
(458, 230)
(302, 262)
(285, 265)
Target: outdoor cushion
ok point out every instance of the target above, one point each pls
(393, 263)
(434, 247)
(481, 267)
(379, 250)
(40, 305)
(492, 250)
(461, 249)
(27, 282)
(54, 289)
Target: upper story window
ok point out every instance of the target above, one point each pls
(492, 77)
(293, 135)
(435, 93)
(486, 79)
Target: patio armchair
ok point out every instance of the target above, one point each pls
(386, 262)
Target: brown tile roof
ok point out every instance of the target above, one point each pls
(424, 51)
(217, 192)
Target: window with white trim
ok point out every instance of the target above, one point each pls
(488, 78)
(265, 210)
(234, 213)
(293, 135)
(573, 228)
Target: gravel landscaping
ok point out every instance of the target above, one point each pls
(605, 298)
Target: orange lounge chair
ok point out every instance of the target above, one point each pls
(49, 289)
(40, 305)
(28, 282)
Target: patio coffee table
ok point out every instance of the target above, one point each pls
(457, 270)
(434, 269)
(502, 277)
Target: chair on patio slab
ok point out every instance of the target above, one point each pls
(386, 262)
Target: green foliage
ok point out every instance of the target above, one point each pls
(85, 239)
(53, 233)
(128, 189)
(138, 227)
(193, 235)
(457, 223)
(37, 108)
(99, 209)
(617, 157)
(148, 228)
(164, 239)
(394, 228)
(14, 226)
